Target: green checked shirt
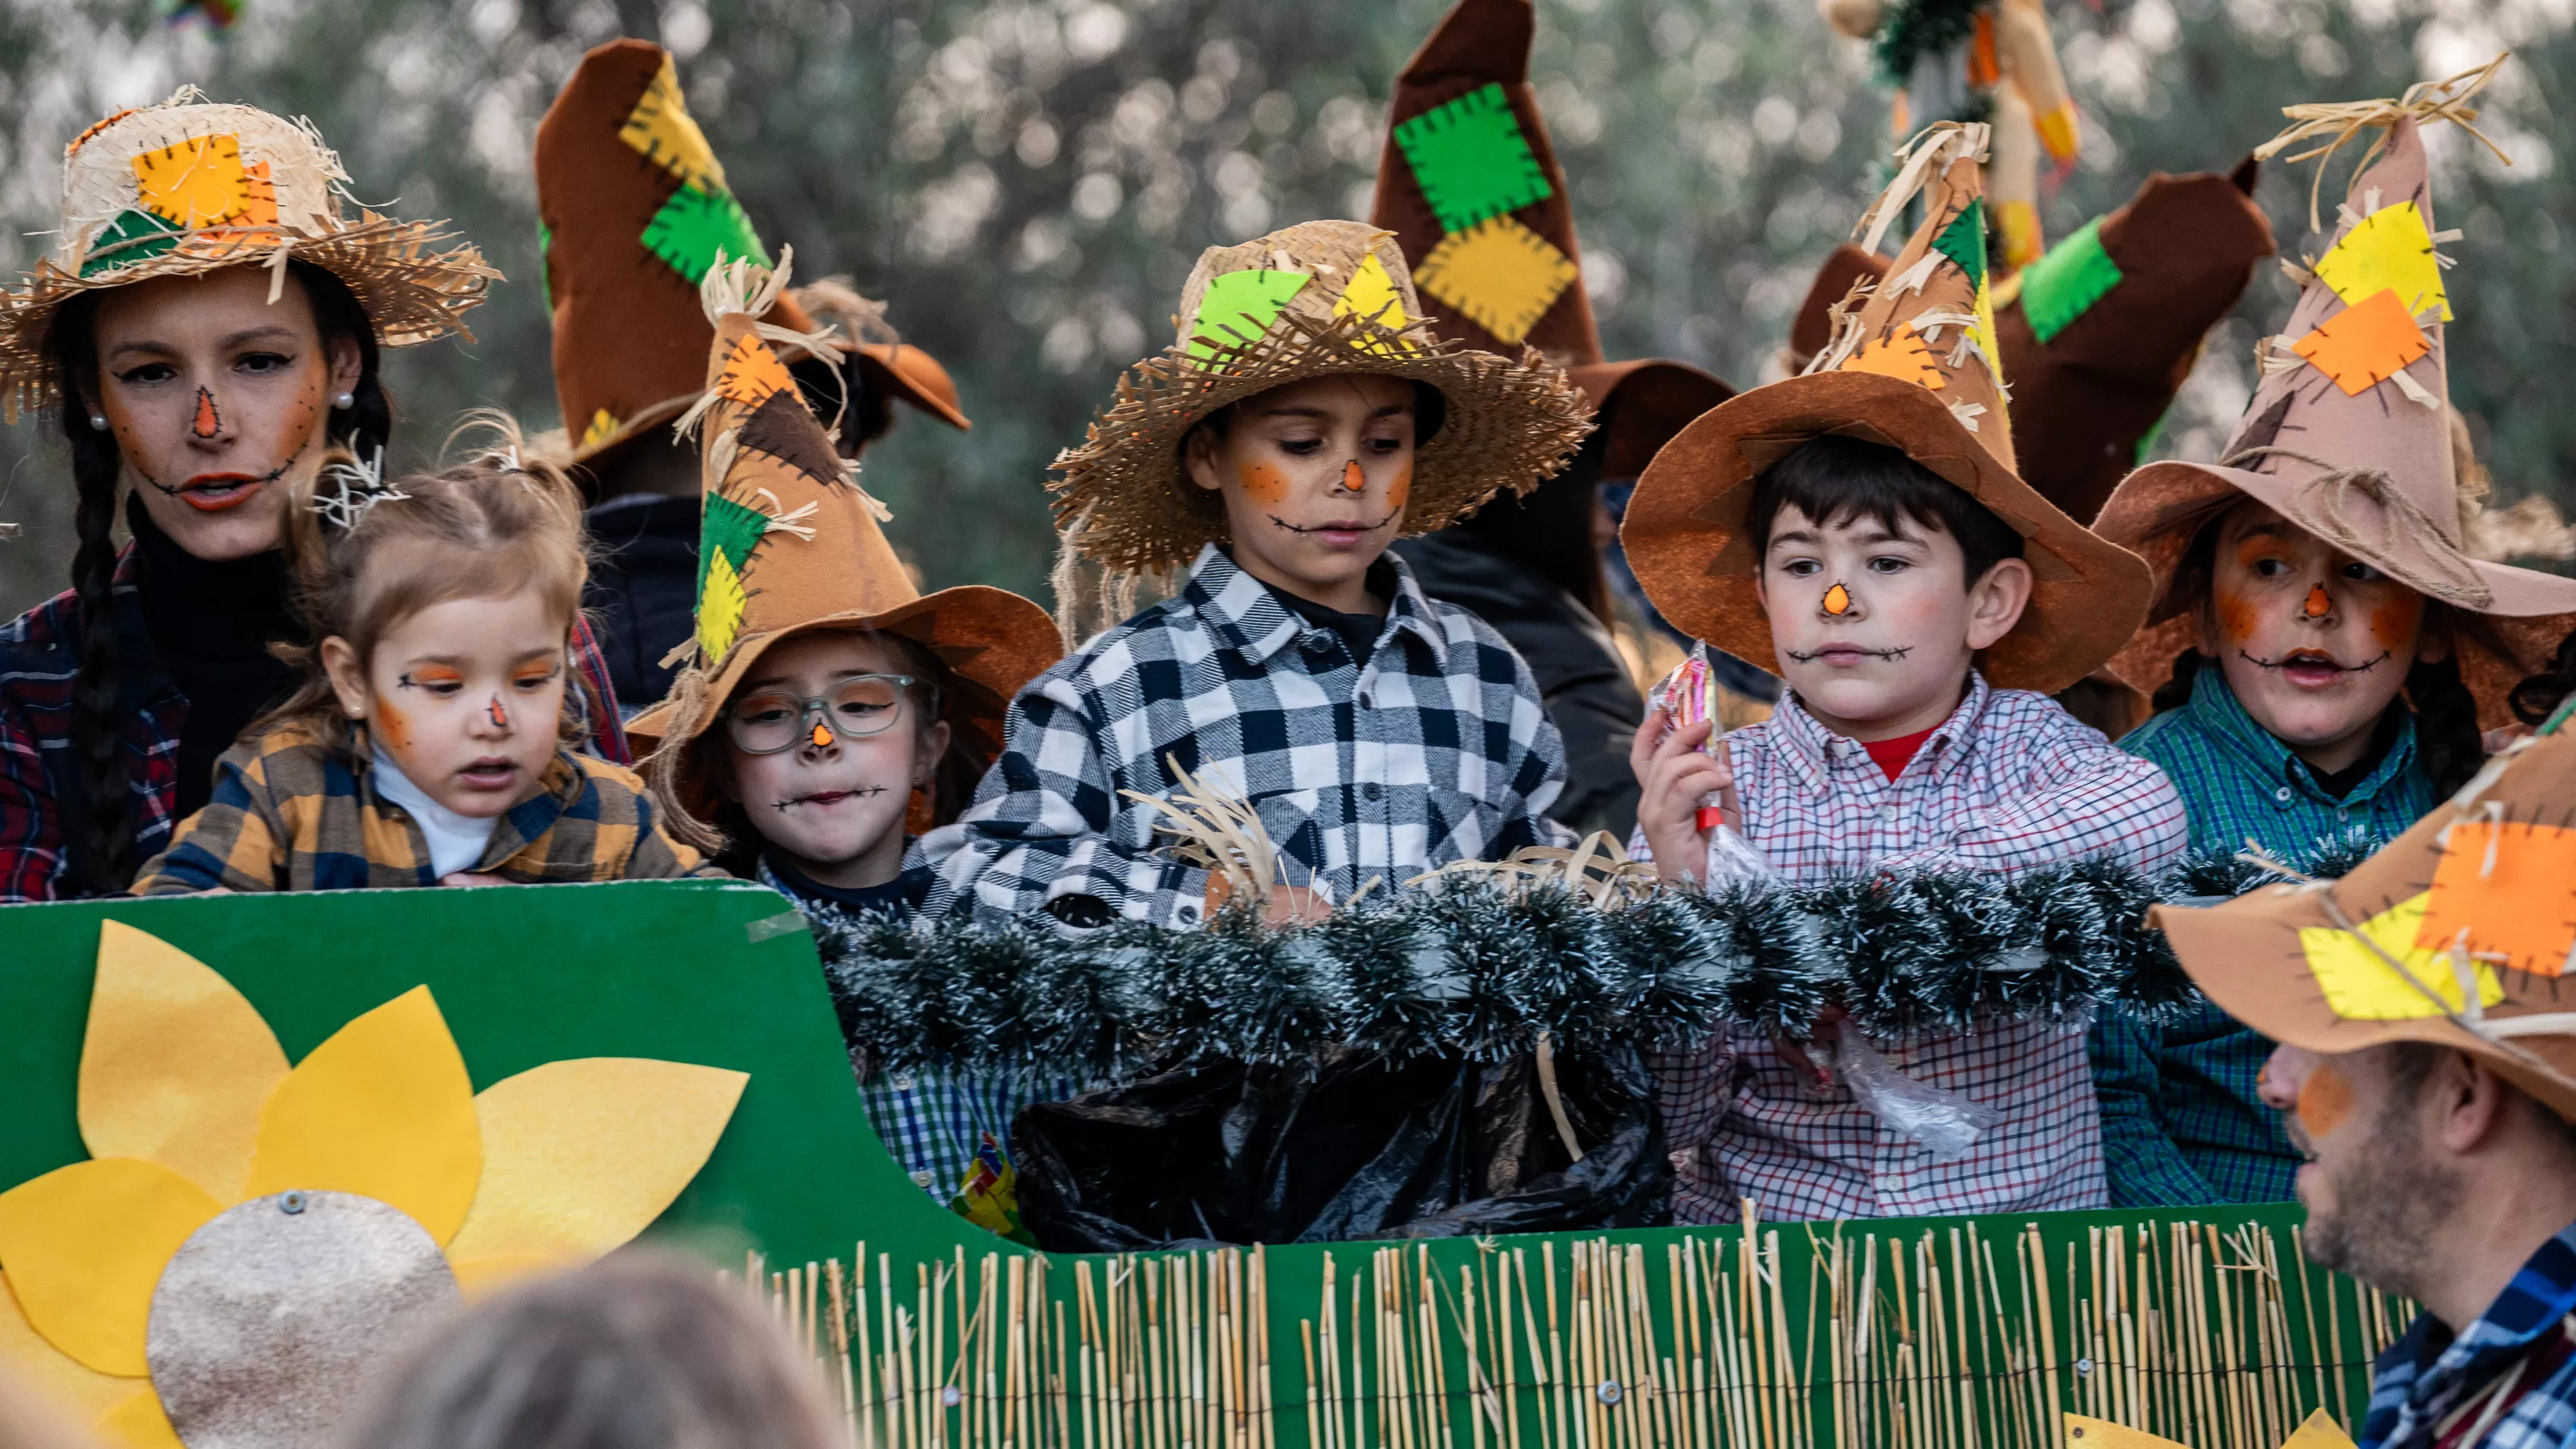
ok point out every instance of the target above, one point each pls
(2181, 1125)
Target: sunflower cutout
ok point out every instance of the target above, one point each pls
(248, 1240)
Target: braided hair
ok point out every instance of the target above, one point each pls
(100, 831)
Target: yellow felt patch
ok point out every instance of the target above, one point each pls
(1900, 355)
(2360, 986)
(603, 426)
(1500, 274)
(1372, 294)
(382, 1109)
(721, 601)
(139, 1422)
(579, 1156)
(2319, 1431)
(661, 128)
(2084, 1433)
(196, 182)
(2392, 250)
(2365, 344)
(1992, 350)
(752, 372)
(176, 1064)
(61, 1380)
(2019, 223)
(2511, 890)
(83, 1246)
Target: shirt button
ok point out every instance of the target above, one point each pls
(1372, 790)
(1316, 641)
(2282, 794)
(2343, 815)
(921, 1178)
(900, 1081)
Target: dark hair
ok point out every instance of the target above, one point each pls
(1548, 530)
(2537, 698)
(99, 834)
(1836, 480)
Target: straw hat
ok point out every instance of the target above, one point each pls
(1912, 368)
(2457, 933)
(1473, 191)
(1319, 299)
(790, 543)
(2099, 334)
(2348, 434)
(187, 187)
(633, 210)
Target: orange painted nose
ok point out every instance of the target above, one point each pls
(208, 422)
(822, 735)
(1352, 478)
(1838, 600)
(500, 720)
(2319, 605)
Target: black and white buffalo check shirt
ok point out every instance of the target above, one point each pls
(1432, 749)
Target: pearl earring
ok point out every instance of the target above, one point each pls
(345, 401)
(98, 422)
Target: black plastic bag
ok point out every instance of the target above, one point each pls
(1340, 1146)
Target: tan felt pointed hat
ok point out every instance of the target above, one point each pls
(2457, 933)
(1812, 330)
(1913, 369)
(1318, 299)
(632, 210)
(188, 187)
(790, 543)
(2348, 433)
(1472, 189)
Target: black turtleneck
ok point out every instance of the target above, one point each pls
(212, 623)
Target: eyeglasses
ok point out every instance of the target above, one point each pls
(767, 721)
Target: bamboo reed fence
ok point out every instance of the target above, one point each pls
(1974, 1333)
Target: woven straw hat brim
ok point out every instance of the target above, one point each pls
(2249, 956)
(411, 289)
(1686, 534)
(992, 641)
(1508, 425)
(2157, 510)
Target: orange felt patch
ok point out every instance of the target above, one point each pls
(1900, 355)
(2364, 345)
(2512, 888)
(2325, 1100)
(752, 372)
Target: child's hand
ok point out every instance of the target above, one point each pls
(1675, 776)
(470, 879)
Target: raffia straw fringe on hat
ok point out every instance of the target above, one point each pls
(2349, 432)
(1320, 299)
(188, 187)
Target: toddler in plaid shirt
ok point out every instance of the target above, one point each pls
(1862, 526)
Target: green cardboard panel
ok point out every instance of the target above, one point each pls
(2063, 284)
(1471, 160)
(693, 225)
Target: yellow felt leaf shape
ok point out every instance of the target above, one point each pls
(1989, 348)
(195, 182)
(56, 1376)
(1901, 355)
(662, 129)
(2360, 986)
(83, 1246)
(176, 1063)
(138, 1423)
(2318, 1432)
(752, 372)
(720, 605)
(2084, 1433)
(603, 426)
(2390, 250)
(579, 1156)
(1372, 294)
(382, 1109)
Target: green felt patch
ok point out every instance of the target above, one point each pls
(1238, 308)
(729, 528)
(693, 225)
(2059, 287)
(130, 238)
(1963, 241)
(546, 258)
(1471, 160)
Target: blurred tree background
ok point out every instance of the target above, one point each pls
(1027, 181)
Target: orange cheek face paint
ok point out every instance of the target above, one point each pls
(390, 723)
(1401, 492)
(2235, 617)
(1264, 484)
(2394, 623)
(2325, 1100)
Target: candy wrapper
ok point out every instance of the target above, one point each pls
(1946, 1123)
(1690, 696)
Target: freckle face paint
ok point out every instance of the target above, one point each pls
(2235, 617)
(209, 422)
(1266, 485)
(1838, 601)
(2325, 1100)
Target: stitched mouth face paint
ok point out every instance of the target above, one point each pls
(1353, 480)
(209, 423)
(2313, 661)
(1838, 601)
(1854, 653)
(1332, 528)
(2319, 603)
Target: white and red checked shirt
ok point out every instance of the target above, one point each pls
(2010, 781)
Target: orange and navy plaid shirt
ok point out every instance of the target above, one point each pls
(291, 814)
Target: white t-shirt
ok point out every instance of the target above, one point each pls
(456, 841)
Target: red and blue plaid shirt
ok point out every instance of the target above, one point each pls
(39, 772)
(2508, 1381)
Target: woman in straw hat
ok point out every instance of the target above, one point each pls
(2324, 644)
(208, 326)
(1304, 419)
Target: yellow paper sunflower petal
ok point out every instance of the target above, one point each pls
(383, 1109)
(176, 1063)
(56, 1377)
(137, 1423)
(83, 1246)
(476, 1277)
(580, 1156)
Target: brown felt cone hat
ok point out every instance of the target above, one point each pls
(790, 543)
(1912, 369)
(2099, 334)
(2456, 933)
(1470, 185)
(2348, 436)
(634, 209)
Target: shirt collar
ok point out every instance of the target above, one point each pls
(1247, 617)
(2540, 1297)
(2219, 713)
(1814, 750)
